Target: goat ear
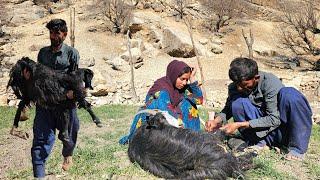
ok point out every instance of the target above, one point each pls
(151, 124)
(88, 73)
(155, 122)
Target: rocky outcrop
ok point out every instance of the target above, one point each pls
(26, 11)
(177, 43)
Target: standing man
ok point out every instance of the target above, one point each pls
(58, 56)
(264, 111)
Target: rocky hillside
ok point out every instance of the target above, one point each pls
(158, 36)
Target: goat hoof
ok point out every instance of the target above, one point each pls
(15, 132)
(23, 118)
(99, 124)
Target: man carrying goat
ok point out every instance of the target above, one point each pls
(57, 56)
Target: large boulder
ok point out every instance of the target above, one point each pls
(117, 63)
(26, 12)
(136, 24)
(138, 43)
(102, 84)
(154, 35)
(136, 55)
(177, 43)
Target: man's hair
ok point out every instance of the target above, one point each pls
(242, 69)
(57, 25)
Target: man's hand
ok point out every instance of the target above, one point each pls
(70, 94)
(230, 128)
(211, 125)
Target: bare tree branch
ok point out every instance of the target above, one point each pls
(117, 12)
(299, 27)
(180, 7)
(249, 42)
(220, 12)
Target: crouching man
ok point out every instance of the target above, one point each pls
(264, 111)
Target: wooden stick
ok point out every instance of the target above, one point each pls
(131, 67)
(72, 25)
(188, 24)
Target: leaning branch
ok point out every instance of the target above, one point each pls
(188, 24)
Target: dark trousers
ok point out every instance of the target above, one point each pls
(295, 115)
(44, 128)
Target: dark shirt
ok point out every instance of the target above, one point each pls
(265, 98)
(60, 60)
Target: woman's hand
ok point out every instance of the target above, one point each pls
(193, 74)
(214, 124)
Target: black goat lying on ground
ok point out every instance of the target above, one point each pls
(47, 88)
(175, 153)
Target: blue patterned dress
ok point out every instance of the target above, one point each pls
(186, 112)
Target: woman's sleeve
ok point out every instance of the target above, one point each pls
(162, 101)
(194, 93)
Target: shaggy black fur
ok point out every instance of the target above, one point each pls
(47, 88)
(175, 153)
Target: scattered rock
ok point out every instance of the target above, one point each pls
(154, 35)
(136, 55)
(102, 90)
(157, 7)
(216, 49)
(203, 41)
(138, 43)
(216, 41)
(38, 34)
(138, 65)
(136, 24)
(92, 29)
(3, 100)
(35, 47)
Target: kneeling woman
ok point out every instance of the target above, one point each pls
(173, 93)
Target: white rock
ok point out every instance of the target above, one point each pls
(3, 99)
(136, 55)
(203, 41)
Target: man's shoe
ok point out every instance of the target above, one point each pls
(67, 163)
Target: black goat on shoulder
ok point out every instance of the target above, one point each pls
(34, 82)
(176, 153)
